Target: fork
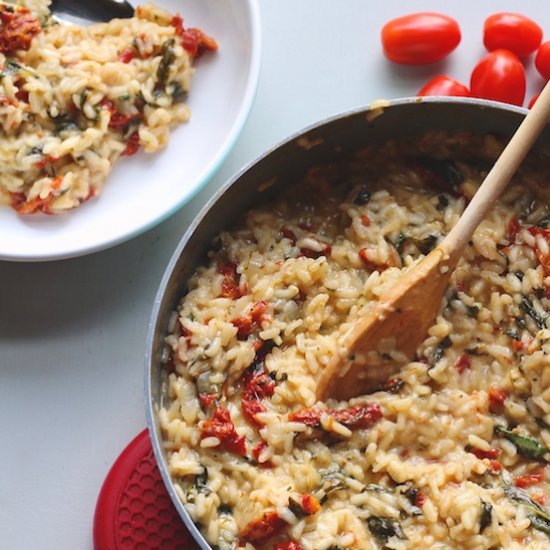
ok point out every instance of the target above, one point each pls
(85, 12)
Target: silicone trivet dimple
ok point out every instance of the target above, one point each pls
(134, 510)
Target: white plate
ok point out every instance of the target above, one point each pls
(142, 191)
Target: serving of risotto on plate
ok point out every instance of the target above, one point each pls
(452, 452)
(73, 100)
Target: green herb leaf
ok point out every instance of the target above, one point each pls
(538, 516)
(541, 523)
(296, 508)
(527, 306)
(383, 528)
(527, 446)
(332, 480)
(486, 516)
(544, 223)
(363, 197)
(519, 496)
(168, 56)
(439, 350)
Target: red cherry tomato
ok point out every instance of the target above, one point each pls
(511, 31)
(420, 38)
(542, 60)
(499, 76)
(444, 85)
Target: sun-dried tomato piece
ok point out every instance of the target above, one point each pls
(257, 451)
(127, 55)
(17, 29)
(326, 249)
(514, 227)
(359, 416)
(527, 480)
(257, 385)
(310, 504)
(245, 324)
(48, 159)
(261, 529)
(464, 362)
(133, 144)
(38, 204)
(287, 233)
(365, 220)
(491, 454)
(222, 427)
(196, 43)
(207, 399)
(419, 499)
(497, 397)
(230, 282)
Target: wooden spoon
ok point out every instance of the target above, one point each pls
(387, 337)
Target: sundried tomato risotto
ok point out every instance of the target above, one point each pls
(452, 452)
(73, 100)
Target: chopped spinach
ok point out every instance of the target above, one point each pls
(224, 509)
(177, 92)
(424, 246)
(168, 56)
(10, 68)
(519, 496)
(412, 493)
(538, 516)
(539, 522)
(400, 242)
(527, 446)
(427, 244)
(442, 202)
(486, 516)
(384, 528)
(513, 333)
(472, 311)
(362, 197)
(439, 350)
(544, 223)
(296, 508)
(527, 306)
(65, 125)
(332, 480)
(377, 489)
(200, 483)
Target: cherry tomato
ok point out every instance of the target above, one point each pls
(420, 38)
(499, 76)
(511, 31)
(444, 85)
(542, 60)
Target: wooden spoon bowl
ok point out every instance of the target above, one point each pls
(400, 319)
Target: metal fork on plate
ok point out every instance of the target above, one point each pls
(90, 11)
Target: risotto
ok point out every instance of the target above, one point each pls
(73, 100)
(452, 451)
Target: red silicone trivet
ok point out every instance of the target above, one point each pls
(133, 510)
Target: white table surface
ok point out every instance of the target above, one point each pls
(72, 332)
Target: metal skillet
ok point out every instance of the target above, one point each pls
(275, 171)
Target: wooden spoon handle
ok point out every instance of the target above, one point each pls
(499, 176)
